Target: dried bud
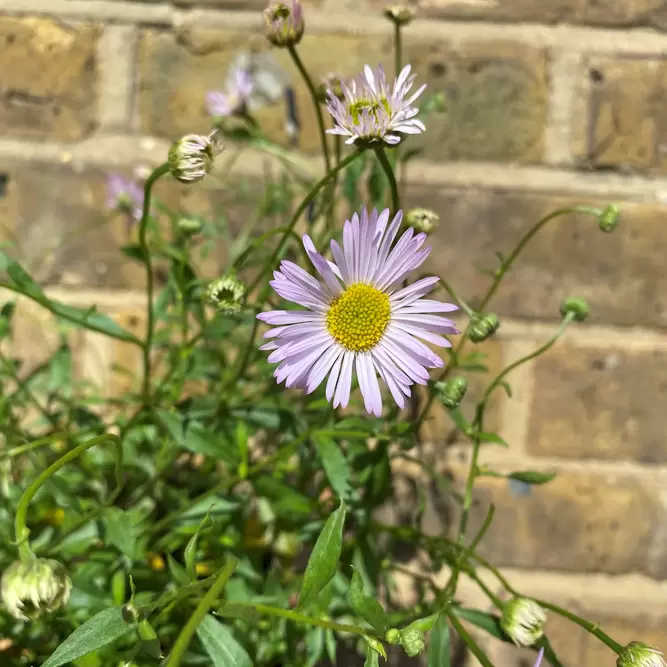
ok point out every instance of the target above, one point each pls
(400, 14)
(413, 641)
(578, 308)
(422, 220)
(227, 294)
(523, 621)
(35, 586)
(192, 156)
(451, 393)
(608, 219)
(284, 22)
(636, 654)
(483, 327)
(189, 226)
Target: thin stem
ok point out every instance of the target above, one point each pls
(469, 641)
(146, 257)
(316, 103)
(35, 444)
(384, 162)
(185, 636)
(21, 530)
(398, 48)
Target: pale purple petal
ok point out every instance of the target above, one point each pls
(322, 267)
(342, 394)
(368, 383)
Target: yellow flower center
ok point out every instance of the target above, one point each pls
(357, 108)
(358, 317)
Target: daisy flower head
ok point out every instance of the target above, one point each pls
(125, 195)
(358, 319)
(234, 99)
(370, 111)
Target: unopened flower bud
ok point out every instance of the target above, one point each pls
(523, 621)
(608, 219)
(422, 220)
(483, 327)
(284, 22)
(400, 14)
(192, 156)
(451, 393)
(227, 294)
(636, 654)
(189, 226)
(35, 586)
(130, 613)
(331, 83)
(413, 641)
(578, 308)
(393, 636)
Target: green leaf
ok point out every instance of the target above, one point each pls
(323, 561)
(489, 437)
(149, 639)
(532, 477)
(287, 502)
(335, 465)
(6, 317)
(460, 421)
(220, 644)
(191, 547)
(483, 620)
(120, 531)
(242, 444)
(368, 608)
(177, 571)
(100, 630)
(372, 658)
(201, 440)
(439, 644)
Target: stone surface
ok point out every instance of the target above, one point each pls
(48, 83)
(580, 522)
(625, 127)
(600, 404)
(620, 274)
(497, 91)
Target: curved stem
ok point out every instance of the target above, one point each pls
(21, 530)
(146, 256)
(386, 166)
(35, 444)
(183, 639)
(316, 103)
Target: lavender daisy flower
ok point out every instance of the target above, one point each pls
(125, 195)
(359, 320)
(370, 111)
(235, 98)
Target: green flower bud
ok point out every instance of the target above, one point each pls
(35, 586)
(523, 621)
(189, 226)
(227, 294)
(413, 641)
(451, 393)
(399, 14)
(130, 613)
(578, 308)
(422, 220)
(608, 219)
(393, 636)
(636, 654)
(483, 327)
(191, 157)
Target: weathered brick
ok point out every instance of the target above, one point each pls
(626, 12)
(621, 274)
(47, 88)
(600, 404)
(577, 523)
(625, 127)
(497, 91)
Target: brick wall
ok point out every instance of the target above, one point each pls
(551, 102)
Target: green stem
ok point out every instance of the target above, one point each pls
(386, 166)
(146, 257)
(35, 444)
(185, 636)
(21, 530)
(316, 103)
(469, 641)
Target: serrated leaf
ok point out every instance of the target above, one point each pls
(323, 561)
(335, 465)
(220, 644)
(100, 630)
(368, 608)
(440, 644)
(532, 477)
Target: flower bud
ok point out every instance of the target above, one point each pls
(35, 586)
(189, 226)
(393, 636)
(422, 220)
(192, 156)
(608, 219)
(130, 613)
(636, 654)
(523, 621)
(451, 393)
(483, 327)
(227, 294)
(284, 22)
(413, 641)
(578, 308)
(399, 14)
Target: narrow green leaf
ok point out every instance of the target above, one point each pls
(440, 644)
(490, 437)
(368, 608)
(201, 440)
(220, 644)
(485, 621)
(177, 571)
(460, 421)
(532, 477)
(335, 465)
(372, 658)
(323, 561)
(149, 639)
(191, 548)
(100, 630)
